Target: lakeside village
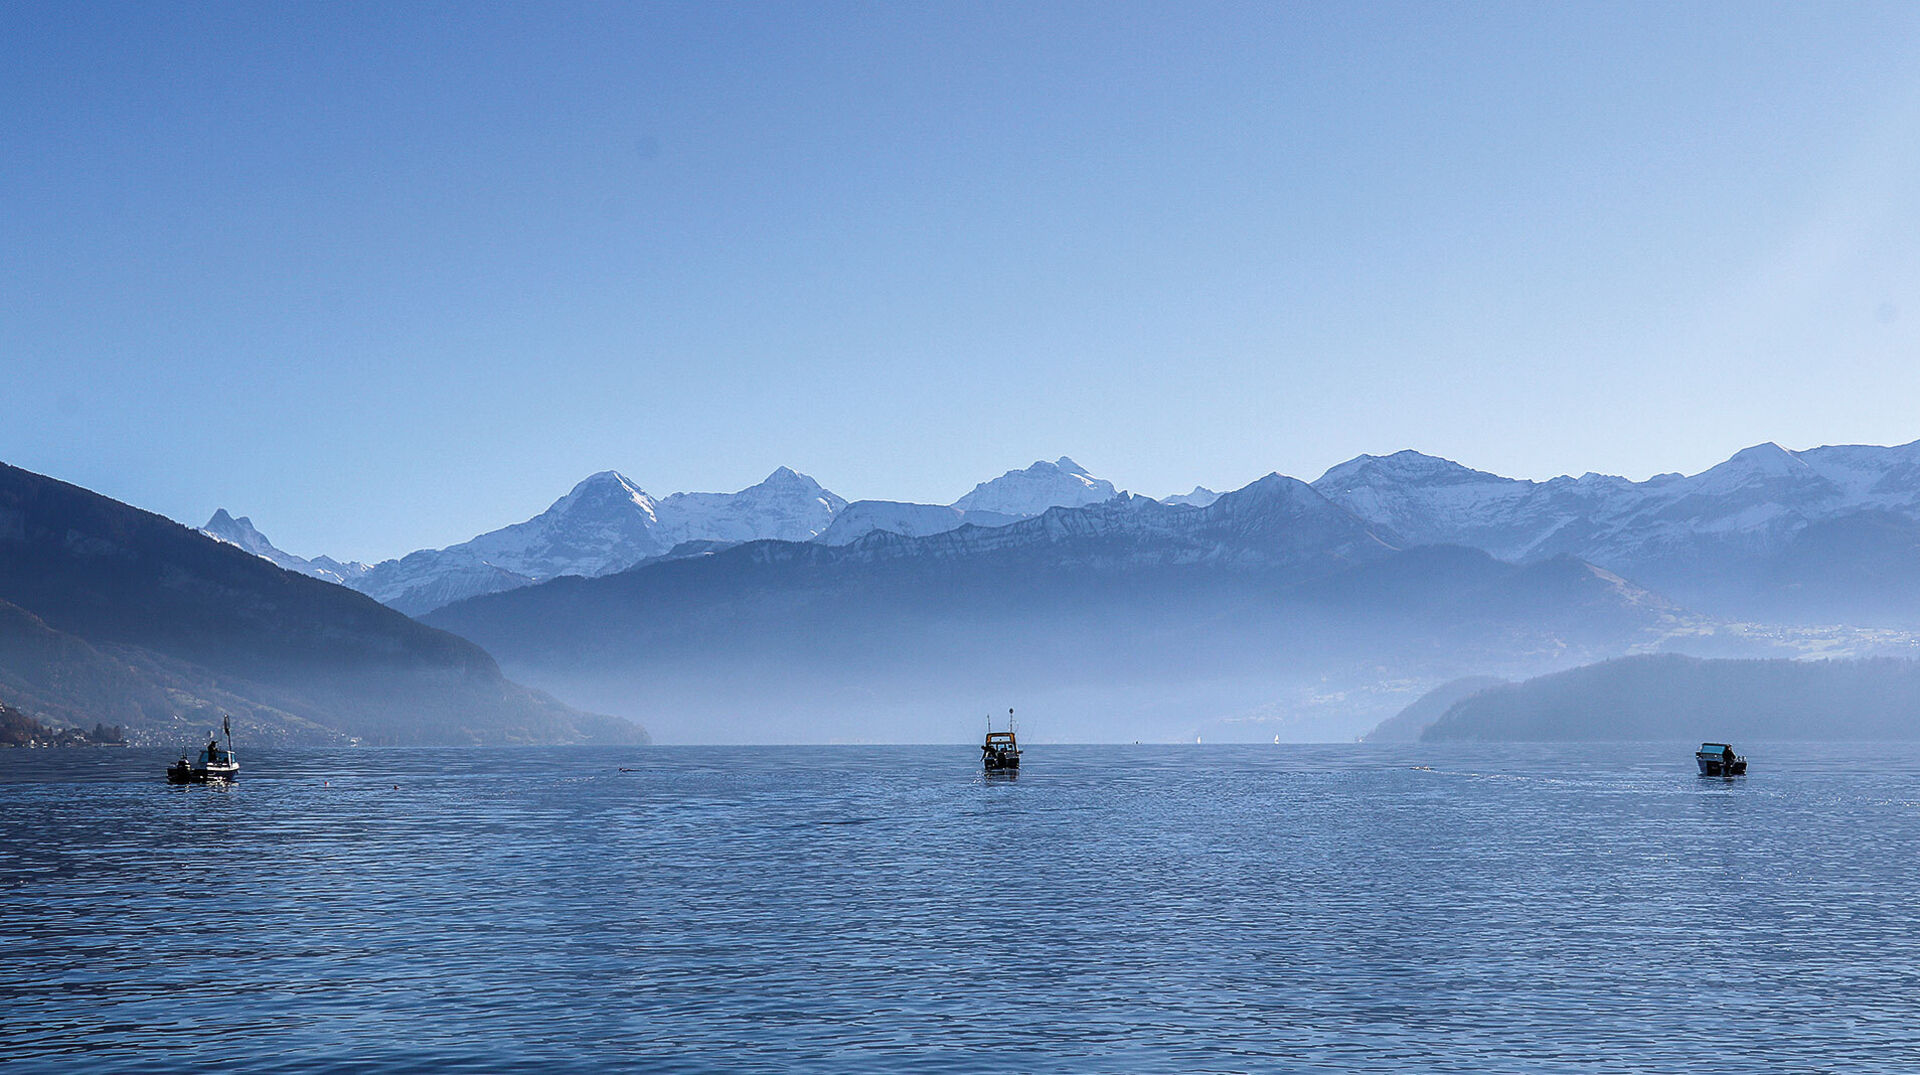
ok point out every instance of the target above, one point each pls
(19, 730)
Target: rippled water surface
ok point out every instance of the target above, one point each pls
(1124, 909)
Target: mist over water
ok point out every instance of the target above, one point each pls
(1142, 909)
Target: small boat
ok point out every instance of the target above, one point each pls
(1718, 759)
(215, 764)
(1001, 752)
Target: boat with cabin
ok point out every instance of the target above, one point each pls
(1001, 752)
(215, 764)
(1718, 759)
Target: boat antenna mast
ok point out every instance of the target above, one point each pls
(1009, 720)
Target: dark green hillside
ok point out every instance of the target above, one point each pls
(1674, 697)
(114, 614)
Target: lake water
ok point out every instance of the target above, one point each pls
(1115, 909)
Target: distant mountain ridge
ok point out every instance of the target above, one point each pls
(1015, 495)
(607, 523)
(116, 615)
(1126, 613)
(1825, 535)
(603, 524)
(1743, 538)
(240, 532)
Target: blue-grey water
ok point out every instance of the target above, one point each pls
(1115, 909)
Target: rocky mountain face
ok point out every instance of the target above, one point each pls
(240, 532)
(112, 614)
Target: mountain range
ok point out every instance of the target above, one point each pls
(113, 615)
(607, 523)
(1825, 535)
(1306, 610)
(1829, 534)
(1129, 618)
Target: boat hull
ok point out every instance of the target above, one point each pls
(1001, 752)
(1719, 767)
(188, 774)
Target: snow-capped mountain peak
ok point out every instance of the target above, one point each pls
(1761, 462)
(1419, 499)
(1401, 467)
(609, 490)
(786, 505)
(608, 480)
(240, 532)
(1020, 493)
(863, 517)
(1199, 498)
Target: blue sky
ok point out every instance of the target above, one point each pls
(386, 276)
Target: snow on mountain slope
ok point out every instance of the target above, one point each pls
(1199, 498)
(1752, 504)
(1671, 530)
(241, 532)
(863, 517)
(1423, 500)
(1015, 495)
(1274, 522)
(1883, 478)
(787, 505)
(604, 524)
(607, 523)
(422, 581)
(1021, 493)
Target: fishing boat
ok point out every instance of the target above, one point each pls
(215, 764)
(1001, 752)
(1718, 759)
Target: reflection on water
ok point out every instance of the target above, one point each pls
(1135, 909)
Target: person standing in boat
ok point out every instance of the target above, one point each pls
(1728, 755)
